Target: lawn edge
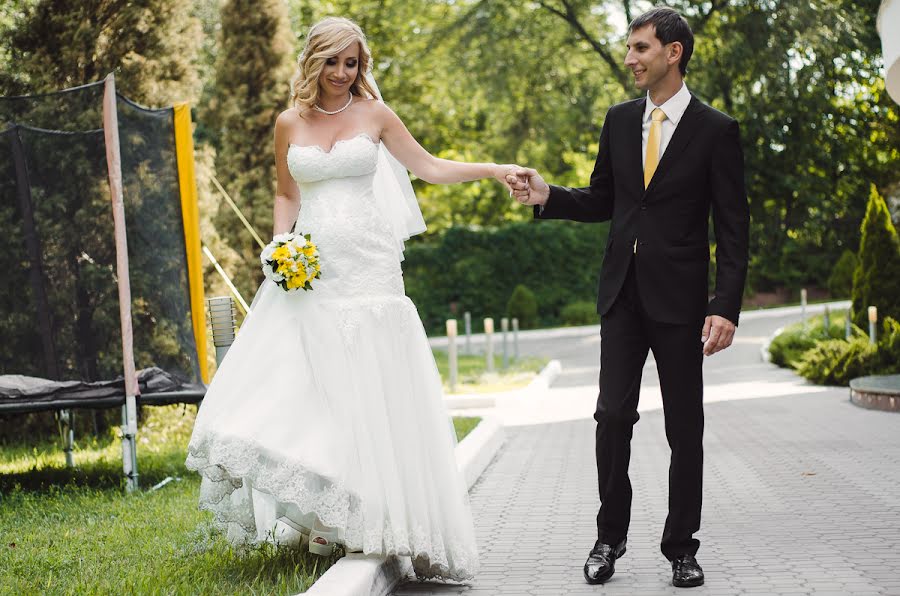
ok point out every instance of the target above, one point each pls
(362, 575)
(541, 382)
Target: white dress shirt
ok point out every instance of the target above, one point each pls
(674, 110)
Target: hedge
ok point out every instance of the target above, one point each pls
(476, 270)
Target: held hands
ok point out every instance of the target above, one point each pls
(501, 173)
(718, 332)
(528, 187)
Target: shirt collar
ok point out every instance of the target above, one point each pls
(674, 108)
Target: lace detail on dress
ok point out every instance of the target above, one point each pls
(337, 206)
(228, 464)
(311, 163)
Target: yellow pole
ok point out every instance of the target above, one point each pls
(190, 214)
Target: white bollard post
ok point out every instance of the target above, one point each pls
(803, 307)
(504, 327)
(467, 321)
(827, 321)
(515, 324)
(873, 319)
(489, 344)
(452, 360)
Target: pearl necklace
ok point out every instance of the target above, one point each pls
(338, 111)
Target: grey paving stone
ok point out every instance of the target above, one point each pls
(768, 526)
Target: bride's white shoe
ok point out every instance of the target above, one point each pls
(286, 533)
(322, 540)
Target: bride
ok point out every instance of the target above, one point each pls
(325, 422)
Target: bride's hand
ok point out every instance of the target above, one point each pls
(500, 172)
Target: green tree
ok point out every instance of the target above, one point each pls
(151, 45)
(876, 281)
(523, 305)
(840, 282)
(253, 71)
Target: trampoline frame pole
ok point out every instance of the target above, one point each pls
(114, 166)
(66, 420)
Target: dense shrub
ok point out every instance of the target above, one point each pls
(788, 346)
(840, 282)
(827, 360)
(876, 281)
(522, 305)
(888, 357)
(476, 270)
(582, 312)
(836, 361)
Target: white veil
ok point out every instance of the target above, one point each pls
(394, 194)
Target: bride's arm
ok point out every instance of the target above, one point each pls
(429, 168)
(287, 195)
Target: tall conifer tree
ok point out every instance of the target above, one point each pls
(876, 281)
(255, 64)
(151, 45)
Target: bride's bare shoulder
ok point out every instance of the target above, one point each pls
(377, 110)
(288, 117)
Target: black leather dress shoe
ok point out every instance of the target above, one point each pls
(686, 572)
(601, 563)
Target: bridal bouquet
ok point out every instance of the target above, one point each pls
(292, 261)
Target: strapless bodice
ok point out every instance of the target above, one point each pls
(337, 207)
(348, 158)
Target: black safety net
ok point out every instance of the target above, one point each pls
(59, 301)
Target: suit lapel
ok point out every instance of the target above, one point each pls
(634, 130)
(684, 132)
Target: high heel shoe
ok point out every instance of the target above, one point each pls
(321, 540)
(286, 533)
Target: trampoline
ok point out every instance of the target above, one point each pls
(101, 304)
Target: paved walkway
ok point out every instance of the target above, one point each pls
(802, 491)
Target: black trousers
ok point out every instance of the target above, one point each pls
(627, 333)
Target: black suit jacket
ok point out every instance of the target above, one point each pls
(702, 169)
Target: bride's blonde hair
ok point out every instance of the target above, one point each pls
(326, 39)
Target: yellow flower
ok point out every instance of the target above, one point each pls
(282, 252)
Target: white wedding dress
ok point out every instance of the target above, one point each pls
(329, 403)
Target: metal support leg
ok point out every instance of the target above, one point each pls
(129, 443)
(66, 421)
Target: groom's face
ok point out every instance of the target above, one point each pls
(646, 57)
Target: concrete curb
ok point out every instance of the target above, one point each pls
(369, 575)
(361, 575)
(469, 401)
(764, 349)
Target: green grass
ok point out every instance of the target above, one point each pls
(66, 531)
(464, 426)
(474, 378)
(77, 532)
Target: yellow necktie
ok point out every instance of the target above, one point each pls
(652, 159)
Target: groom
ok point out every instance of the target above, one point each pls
(665, 161)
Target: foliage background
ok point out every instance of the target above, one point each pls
(506, 81)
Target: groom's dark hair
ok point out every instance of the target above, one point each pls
(670, 26)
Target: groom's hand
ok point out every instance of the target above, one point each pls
(718, 332)
(528, 187)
